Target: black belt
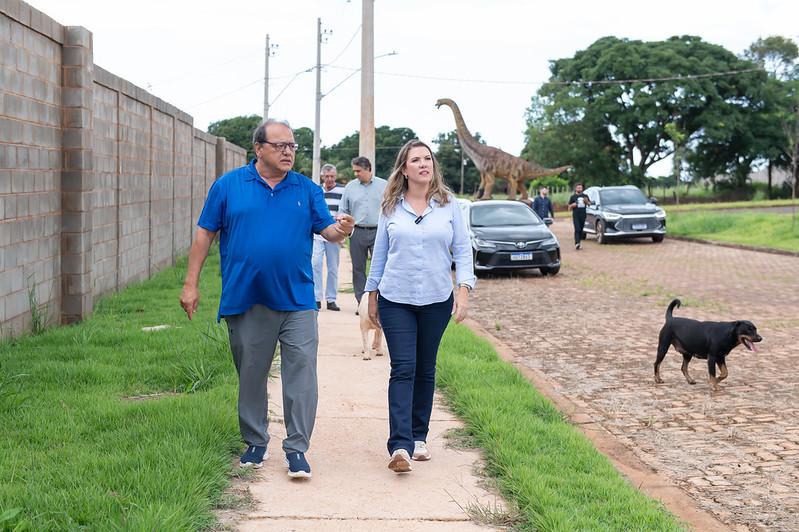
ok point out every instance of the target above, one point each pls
(366, 226)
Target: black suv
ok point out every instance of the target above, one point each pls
(623, 212)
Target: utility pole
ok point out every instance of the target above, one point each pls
(463, 165)
(366, 143)
(321, 36)
(270, 50)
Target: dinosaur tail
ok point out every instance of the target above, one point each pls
(674, 304)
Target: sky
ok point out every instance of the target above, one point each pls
(207, 58)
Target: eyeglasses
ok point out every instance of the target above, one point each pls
(282, 146)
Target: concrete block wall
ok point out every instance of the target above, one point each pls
(101, 183)
(30, 166)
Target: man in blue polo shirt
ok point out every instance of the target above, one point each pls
(266, 216)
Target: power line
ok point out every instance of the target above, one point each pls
(345, 46)
(567, 82)
(259, 80)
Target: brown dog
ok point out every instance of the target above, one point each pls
(367, 325)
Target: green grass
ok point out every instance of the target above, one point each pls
(541, 463)
(78, 452)
(730, 205)
(749, 228)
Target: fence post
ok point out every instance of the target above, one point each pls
(77, 174)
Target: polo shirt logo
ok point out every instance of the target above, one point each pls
(299, 204)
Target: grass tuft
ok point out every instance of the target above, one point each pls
(542, 464)
(768, 230)
(78, 455)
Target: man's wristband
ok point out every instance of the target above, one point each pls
(466, 286)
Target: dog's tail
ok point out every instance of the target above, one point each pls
(674, 304)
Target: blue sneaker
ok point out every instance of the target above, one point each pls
(254, 456)
(298, 465)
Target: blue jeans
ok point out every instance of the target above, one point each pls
(330, 251)
(413, 334)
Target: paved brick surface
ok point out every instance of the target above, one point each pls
(593, 331)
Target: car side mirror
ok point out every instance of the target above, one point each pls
(548, 221)
(654, 200)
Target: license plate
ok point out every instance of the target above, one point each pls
(639, 227)
(521, 256)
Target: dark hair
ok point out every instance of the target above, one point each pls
(363, 162)
(578, 184)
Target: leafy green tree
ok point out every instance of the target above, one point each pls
(237, 130)
(779, 58)
(591, 112)
(303, 159)
(449, 155)
(388, 141)
(554, 139)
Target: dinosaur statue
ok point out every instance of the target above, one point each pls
(494, 163)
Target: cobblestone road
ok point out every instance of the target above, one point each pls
(593, 331)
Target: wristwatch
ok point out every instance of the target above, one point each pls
(468, 288)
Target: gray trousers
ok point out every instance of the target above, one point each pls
(253, 338)
(362, 243)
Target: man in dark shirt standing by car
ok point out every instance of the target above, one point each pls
(542, 205)
(577, 204)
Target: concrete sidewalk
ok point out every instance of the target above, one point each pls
(352, 489)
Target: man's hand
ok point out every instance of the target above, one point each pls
(345, 223)
(189, 299)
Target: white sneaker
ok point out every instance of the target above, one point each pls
(420, 452)
(400, 461)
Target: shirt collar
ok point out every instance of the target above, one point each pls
(253, 175)
(430, 205)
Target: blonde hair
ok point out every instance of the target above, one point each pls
(398, 184)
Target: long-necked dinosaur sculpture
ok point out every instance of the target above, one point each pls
(494, 163)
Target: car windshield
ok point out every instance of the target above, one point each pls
(502, 214)
(622, 196)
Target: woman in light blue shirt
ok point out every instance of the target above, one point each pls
(420, 233)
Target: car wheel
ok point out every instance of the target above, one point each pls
(600, 233)
(657, 238)
(550, 270)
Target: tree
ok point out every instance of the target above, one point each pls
(449, 156)
(612, 101)
(303, 159)
(388, 141)
(778, 57)
(237, 130)
(554, 140)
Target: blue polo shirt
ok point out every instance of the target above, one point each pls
(265, 239)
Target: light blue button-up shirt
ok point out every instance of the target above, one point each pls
(362, 201)
(412, 263)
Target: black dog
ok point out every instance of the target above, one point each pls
(712, 340)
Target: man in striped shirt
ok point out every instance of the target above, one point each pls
(323, 249)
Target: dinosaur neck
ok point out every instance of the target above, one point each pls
(466, 138)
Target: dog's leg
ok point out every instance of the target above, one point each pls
(711, 370)
(722, 370)
(378, 343)
(365, 337)
(664, 341)
(686, 359)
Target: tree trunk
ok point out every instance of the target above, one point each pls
(768, 189)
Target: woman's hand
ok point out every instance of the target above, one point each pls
(460, 306)
(373, 309)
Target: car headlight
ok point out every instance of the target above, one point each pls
(480, 243)
(660, 214)
(552, 241)
(611, 216)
